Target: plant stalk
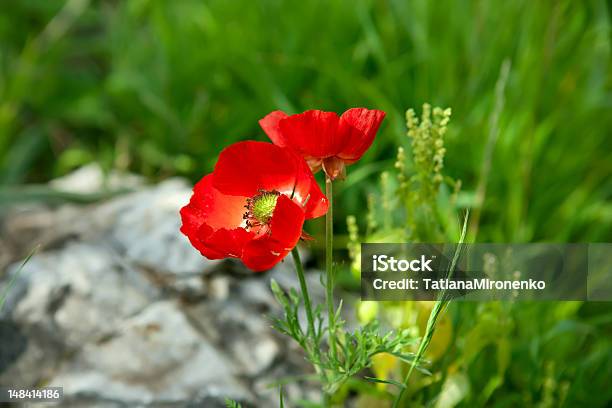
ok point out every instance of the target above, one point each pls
(434, 315)
(309, 315)
(307, 304)
(329, 249)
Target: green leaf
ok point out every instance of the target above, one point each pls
(408, 358)
(279, 294)
(379, 380)
(14, 277)
(230, 403)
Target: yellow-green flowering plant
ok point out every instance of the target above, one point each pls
(414, 203)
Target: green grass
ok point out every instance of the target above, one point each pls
(10, 282)
(161, 87)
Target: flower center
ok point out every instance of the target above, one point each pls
(260, 208)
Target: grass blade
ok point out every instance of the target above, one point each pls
(11, 282)
(437, 310)
(381, 381)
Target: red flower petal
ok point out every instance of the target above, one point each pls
(209, 206)
(287, 222)
(212, 221)
(358, 127)
(261, 255)
(246, 168)
(269, 124)
(225, 243)
(285, 231)
(308, 193)
(197, 236)
(317, 204)
(313, 133)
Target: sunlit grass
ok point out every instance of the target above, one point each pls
(160, 87)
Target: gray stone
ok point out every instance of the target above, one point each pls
(73, 291)
(91, 179)
(28, 355)
(147, 230)
(155, 356)
(120, 310)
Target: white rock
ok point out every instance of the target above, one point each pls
(76, 289)
(91, 179)
(155, 356)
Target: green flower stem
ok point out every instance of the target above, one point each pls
(329, 248)
(308, 306)
(309, 314)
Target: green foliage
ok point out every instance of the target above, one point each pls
(419, 192)
(11, 282)
(502, 354)
(289, 324)
(160, 87)
(281, 398)
(427, 150)
(415, 203)
(229, 403)
(355, 349)
(438, 308)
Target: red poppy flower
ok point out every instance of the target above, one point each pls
(325, 139)
(253, 205)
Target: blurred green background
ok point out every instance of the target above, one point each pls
(160, 87)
